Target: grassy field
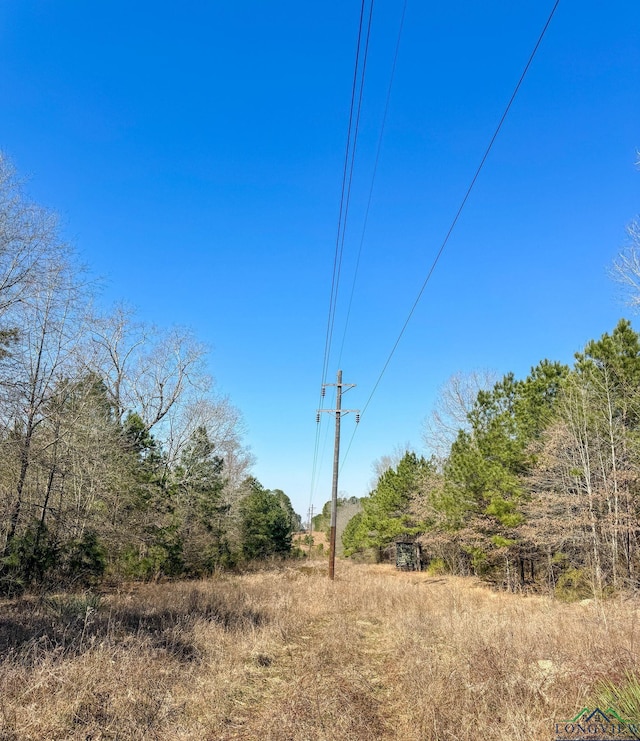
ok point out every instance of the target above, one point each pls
(286, 654)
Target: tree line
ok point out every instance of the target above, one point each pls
(117, 454)
(533, 481)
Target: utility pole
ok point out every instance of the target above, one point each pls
(334, 487)
(338, 411)
(310, 514)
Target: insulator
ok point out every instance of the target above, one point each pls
(357, 418)
(324, 391)
(318, 417)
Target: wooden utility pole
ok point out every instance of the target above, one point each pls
(310, 514)
(334, 487)
(338, 411)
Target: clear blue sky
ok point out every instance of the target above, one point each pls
(194, 151)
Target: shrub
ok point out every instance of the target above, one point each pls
(85, 559)
(573, 585)
(437, 567)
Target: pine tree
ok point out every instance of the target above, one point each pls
(266, 522)
(393, 508)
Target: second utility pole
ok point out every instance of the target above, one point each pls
(338, 411)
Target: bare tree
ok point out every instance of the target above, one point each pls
(146, 371)
(387, 462)
(117, 341)
(567, 502)
(170, 369)
(626, 267)
(583, 485)
(224, 426)
(36, 372)
(450, 413)
(29, 241)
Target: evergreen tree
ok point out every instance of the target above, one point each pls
(586, 475)
(200, 511)
(392, 507)
(484, 477)
(266, 522)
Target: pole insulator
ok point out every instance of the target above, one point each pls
(323, 392)
(318, 417)
(358, 418)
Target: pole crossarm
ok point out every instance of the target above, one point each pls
(339, 411)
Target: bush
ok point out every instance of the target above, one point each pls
(85, 559)
(479, 561)
(437, 567)
(29, 559)
(146, 564)
(70, 607)
(573, 585)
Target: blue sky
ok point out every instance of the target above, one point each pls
(194, 152)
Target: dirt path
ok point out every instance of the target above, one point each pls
(337, 675)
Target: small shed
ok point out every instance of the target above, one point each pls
(408, 553)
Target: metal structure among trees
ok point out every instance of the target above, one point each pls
(408, 554)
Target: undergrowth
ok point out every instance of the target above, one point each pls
(287, 654)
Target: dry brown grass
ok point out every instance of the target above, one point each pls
(286, 654)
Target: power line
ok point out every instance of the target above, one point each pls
(351, 167)
(373, 177)
(346, 188)
(456, 217)
(347, 177)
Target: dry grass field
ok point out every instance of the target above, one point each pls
(286, 654)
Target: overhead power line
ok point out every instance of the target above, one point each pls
(373, 178)
(456, 217)
(347, 174)
(359, 70)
